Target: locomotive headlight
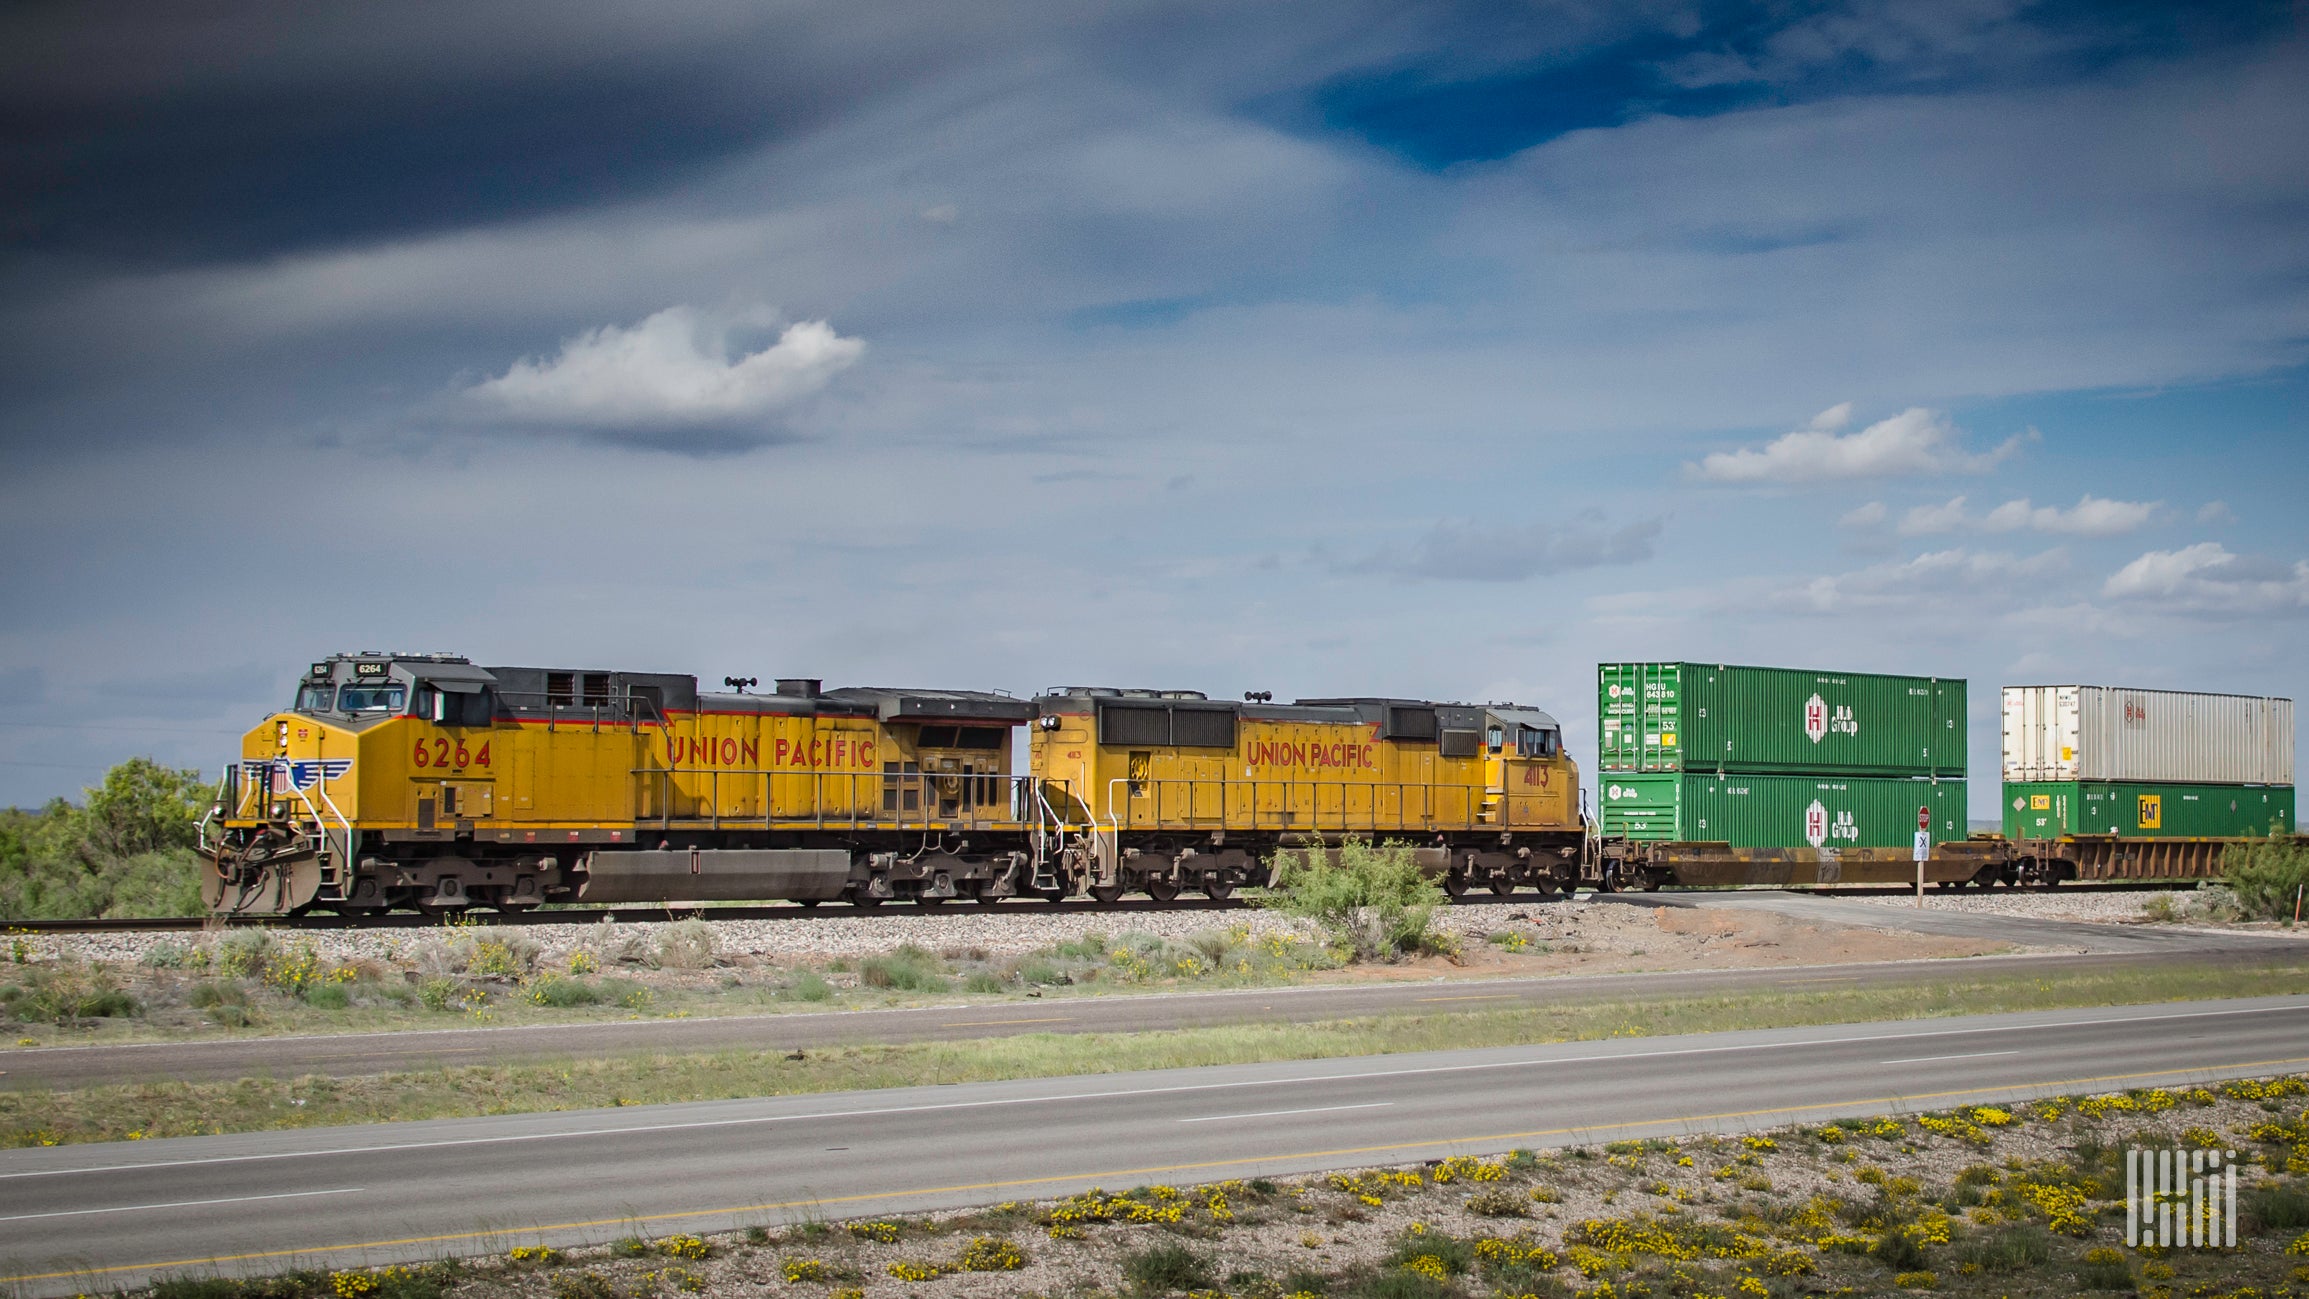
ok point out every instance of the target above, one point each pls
(1050, 723)
(284, 735)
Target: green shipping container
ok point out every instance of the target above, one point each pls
(1668, 717)
(1772, 811)
(2133, 810)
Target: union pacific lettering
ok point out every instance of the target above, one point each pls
(842, 751)
(1317, 756)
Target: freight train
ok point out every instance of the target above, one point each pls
(426, 782)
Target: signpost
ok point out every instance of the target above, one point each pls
(1923, 848)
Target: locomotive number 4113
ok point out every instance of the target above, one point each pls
(438, 751)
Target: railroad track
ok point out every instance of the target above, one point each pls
(795, 911)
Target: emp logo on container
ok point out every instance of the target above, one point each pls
(2181, 1198)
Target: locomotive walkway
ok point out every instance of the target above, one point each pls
(2080, 948)
(95, 1217)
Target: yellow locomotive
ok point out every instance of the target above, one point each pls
(1178, 790)
(425, 781)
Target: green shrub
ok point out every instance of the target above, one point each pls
(581, 1285)
(217, 992)
(908, 969)
(172, 956)
(1166, 1267)
(69, 991)
(1399, 1283)
(2104, 1269)
(2007, 1249)
(440, 994)
(1898, 1250)
(244, 952)
(329, 996)
(126, 850)
(981, 981)
(1456, 1255)
(563, 992)
(2280, 1207)
(1372, 900)
(2267, 876)
(1041, 973)
(809, 985)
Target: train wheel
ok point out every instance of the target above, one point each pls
(866, 904)
(1055, 893)
(1162, 890)
(1106, 892)
(1502, 886)
(1217, 887)
(1652, 881)
(1455, 884)
(806, 903)
(985, 899)
(930, 902)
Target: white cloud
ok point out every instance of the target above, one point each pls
(1871, 515)
(1922, 582)
(674, 370)
(1915, 441)
(1926, 519)
(2207, 579)
(2215, 512)
(2091, 516)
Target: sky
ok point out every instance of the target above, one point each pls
(1434, 350)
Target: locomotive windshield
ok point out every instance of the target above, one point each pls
(372, 699)
(316, 699)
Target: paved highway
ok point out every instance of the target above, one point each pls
(2095, 948)
(75, 1218)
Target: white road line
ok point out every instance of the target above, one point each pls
(1969, 1055)
(179, 1204)
(884, 1111)
(1273, 1114)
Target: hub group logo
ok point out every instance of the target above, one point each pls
(2178, 1199)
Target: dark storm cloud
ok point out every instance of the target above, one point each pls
(217, 131)
(1711, 58)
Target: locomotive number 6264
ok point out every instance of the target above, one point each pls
(440, 751)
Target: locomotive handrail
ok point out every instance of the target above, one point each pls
(1289, 810)
(200, 827)
(852, 812)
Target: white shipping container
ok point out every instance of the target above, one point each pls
(2107, 733)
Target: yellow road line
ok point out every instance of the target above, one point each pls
(502, 1233)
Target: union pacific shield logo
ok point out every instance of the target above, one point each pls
(282, 777)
